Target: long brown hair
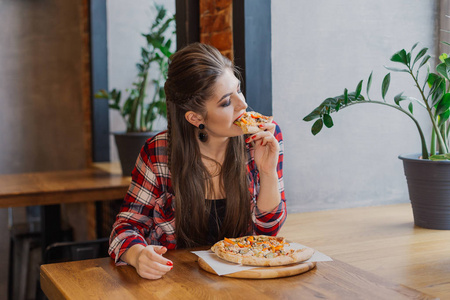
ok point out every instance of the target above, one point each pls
(193, 72)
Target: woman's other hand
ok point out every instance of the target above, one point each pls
(148, 261)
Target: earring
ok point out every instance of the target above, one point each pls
(202, 136)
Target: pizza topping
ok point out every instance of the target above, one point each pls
(229, 241)
(264, 246)
(250, 120)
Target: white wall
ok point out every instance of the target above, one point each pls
(318, 49)
(126, 21)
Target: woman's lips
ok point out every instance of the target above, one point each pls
(239, 116)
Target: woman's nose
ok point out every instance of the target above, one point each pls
(242, 104)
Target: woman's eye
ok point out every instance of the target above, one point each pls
(226, 103)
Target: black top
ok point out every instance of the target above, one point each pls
(216, 217)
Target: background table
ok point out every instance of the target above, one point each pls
(101, 182)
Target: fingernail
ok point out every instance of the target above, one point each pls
(253, 137)
(260, 125)
(171, 268)
(262, 142)
(247, 140)
(169, 263)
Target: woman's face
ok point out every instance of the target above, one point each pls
(225, 106)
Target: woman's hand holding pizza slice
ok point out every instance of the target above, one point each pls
(265, 144)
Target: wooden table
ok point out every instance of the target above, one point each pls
(101, 182)
(382, 240)
(101, 279)
(378, 253)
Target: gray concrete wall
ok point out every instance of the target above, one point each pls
(318, 49)
(41, 114)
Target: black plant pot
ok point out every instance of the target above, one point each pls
(429, 190)
(129, 145)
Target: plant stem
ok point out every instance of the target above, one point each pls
(447, 131)
(422, 136)
(433, 142)
(442, 146)
(443, 132)
(138, 103)
(141, 100)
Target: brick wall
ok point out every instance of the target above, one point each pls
(216, 25)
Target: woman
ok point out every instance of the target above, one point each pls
(200, 180)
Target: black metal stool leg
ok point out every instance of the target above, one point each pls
(11, 269)
(50, 226)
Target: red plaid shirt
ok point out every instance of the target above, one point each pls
(147, 215)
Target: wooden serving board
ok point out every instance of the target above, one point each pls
(264, 272)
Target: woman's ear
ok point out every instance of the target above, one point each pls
(193, 118)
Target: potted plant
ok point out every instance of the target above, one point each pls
(139, 113)
(427, 173)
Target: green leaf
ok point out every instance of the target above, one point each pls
(410, 107)
(431, 79)
(385, 85)
(161, 12)
(328, 121)
(420, 55)
(313, 115)
(345, 96)
(369, 84)
(114, 106)
(437, 90)
(317, 127)
(442, 69)
(424, 60)
(447, 68)
(444, 104)
(414, 46)
(397, 69)
(443, 56)
(329, 103)
(126, 109)
(399, 98)
(164, 26)
(400, 57)
(444, 117)
(358, 90)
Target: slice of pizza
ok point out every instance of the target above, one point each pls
(260, 250)
(250, 120)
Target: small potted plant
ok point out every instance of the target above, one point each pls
(427, 173)
(138, 112)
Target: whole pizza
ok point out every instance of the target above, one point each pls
(260, 250)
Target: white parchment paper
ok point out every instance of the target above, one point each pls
(222, 267)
